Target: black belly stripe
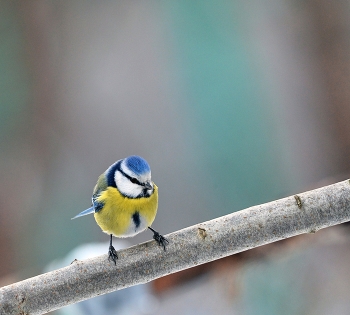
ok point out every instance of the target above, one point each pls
(136, 219)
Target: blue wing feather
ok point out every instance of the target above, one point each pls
(85, 212)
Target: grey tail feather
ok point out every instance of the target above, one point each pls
(85, 212)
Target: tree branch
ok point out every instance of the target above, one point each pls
(198, 244)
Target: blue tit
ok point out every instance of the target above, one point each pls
(125, 201)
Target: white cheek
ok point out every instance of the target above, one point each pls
(126, 187)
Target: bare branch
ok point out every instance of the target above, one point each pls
(198, 244)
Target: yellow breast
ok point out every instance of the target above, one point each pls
(116, 217)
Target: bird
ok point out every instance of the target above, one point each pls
(125, 201)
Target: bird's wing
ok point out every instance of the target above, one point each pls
(101, 185)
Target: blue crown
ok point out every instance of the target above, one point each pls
(137, 165)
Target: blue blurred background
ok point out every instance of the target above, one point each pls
(232, 104)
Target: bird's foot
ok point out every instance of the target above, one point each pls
(160, 239)
(112, 254)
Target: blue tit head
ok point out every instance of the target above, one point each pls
(133, 177)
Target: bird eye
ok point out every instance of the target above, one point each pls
(134, 180)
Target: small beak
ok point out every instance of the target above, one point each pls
(148, 185)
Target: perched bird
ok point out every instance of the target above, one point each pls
(125, 201)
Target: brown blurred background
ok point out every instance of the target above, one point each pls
(232, 104)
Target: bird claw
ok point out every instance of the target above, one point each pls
(112, 254)
(160, 239)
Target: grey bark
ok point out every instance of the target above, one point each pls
(240, 231)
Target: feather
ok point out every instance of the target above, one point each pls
(85, 212)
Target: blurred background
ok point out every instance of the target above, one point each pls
(232, 104)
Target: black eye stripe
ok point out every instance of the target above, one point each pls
(132, 179)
